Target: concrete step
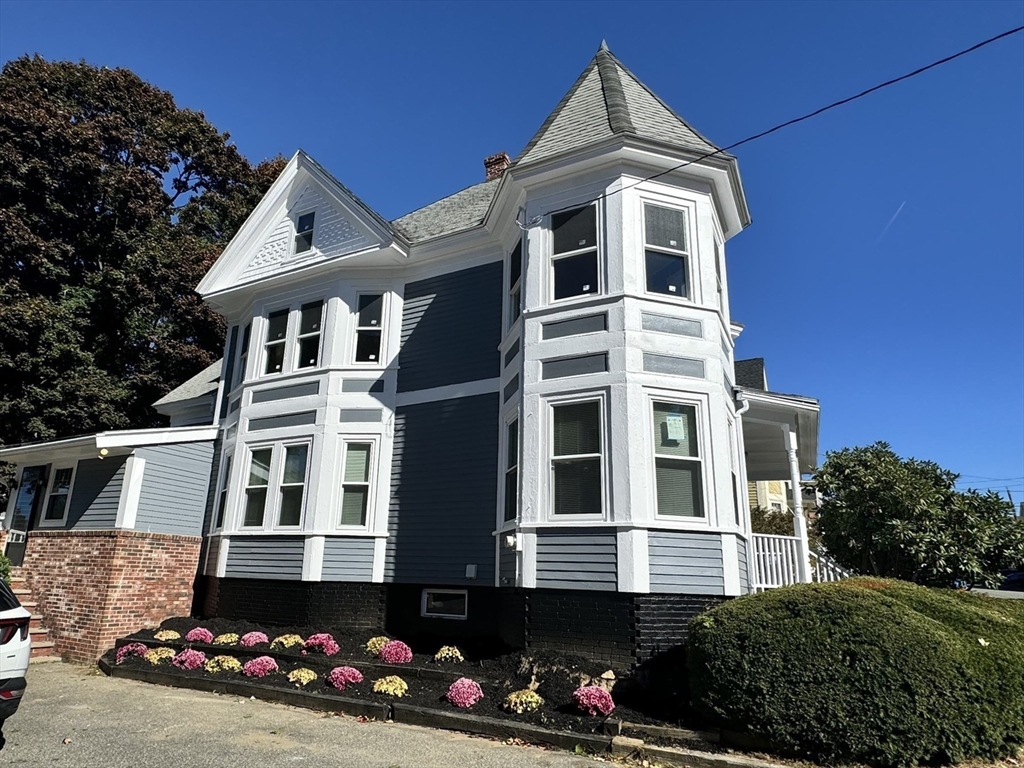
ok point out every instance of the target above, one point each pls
(42, 648)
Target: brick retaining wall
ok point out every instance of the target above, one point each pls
(95, 586)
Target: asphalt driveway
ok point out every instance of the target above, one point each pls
(76, 716)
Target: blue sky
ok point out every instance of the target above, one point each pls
(908, 330)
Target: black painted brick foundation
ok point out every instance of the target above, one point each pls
(622, 630)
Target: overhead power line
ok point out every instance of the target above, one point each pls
(788, 123)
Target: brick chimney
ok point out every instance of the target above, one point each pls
(495, 165)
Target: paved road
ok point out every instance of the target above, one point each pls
(126, 724)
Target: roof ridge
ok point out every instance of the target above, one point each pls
(661, 101)
(614, 96)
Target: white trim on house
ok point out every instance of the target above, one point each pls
(731, 565)
(449, 392)
(131, 491)
(313, 558)
(81, 447)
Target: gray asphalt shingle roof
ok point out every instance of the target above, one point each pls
(750, 373)
(454, 213)
(607, 99)
(203, 383)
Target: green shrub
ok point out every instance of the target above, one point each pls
(865, 670)
(5, 569)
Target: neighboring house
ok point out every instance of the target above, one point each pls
(512, 413)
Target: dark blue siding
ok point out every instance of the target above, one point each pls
(451, 327)
(174, 486)
(443, 492)
(97, 490)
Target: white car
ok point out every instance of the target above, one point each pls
(15, 651)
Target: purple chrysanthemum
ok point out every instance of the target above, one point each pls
(250, 639)
(199, 635)
(339, 677)
(260, 667)
(323, 643)
(132, 649)
(396, 652)
(594, 700)
(464, 693)
(189, 659)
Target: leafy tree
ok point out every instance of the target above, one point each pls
(113, 204)
(903, 518)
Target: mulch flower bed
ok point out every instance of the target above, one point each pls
(336, 662)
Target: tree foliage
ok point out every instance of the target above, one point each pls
(903, 518)
(113, 204)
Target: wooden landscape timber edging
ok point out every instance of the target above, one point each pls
(457, 721)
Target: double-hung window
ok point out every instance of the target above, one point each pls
(512, 470)
(369, 327)
(304, 232)
(243, 356)
(718, 277)
(282, 467)
(577, 458)
(57, 498)
(666, 255)
(574, 252)
(677, 462)
(310, 324)
(515, 280)
(223, 498)
(277, 339)
(355, 486)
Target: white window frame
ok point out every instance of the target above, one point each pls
(371, 483)
(703, 456)
(291, 336)
(43, 522)
(553, 257)
(385, 306)
(242, 358)
(576, 399)
(223, 491)
(312, 233)
(263, 372)
(688, 256)
(272, 508)
(299, 336)
(507, 423)
(514, 293)
(423, 604)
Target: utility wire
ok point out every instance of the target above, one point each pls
(536, 220)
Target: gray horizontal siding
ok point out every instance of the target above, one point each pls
(674, 366)
(174, 488)
(212, 554)
(577, 559)
(97, 490)
(574, 366)
(265, 557)
(285, 420)
(684, 562)
(347, 559)
(284, 393)
(451, 327)
(741, 554)
(677, 325)
(443, 492)
(507, 566)
(575, 326)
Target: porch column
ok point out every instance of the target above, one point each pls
(803, 548)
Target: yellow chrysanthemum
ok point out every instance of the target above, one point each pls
(374, 644)
(223, 664)
(229, 638)
(448, 653)
(160, 655)
(302, 676)
(523, 701)
(167, 634)
(392, 685)
(285, 641)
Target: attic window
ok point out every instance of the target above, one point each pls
(575, 252)
(304, 232)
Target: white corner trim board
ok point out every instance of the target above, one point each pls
(131, 490)
(731, 565)
(313, 558)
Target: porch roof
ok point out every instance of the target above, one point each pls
(769, 416)
(114, 440)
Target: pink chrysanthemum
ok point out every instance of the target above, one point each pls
(189, 659)
(249, 639)
(396, 652)
(132, 649)
(339, 677)
(323, 643)
(464, 693)
(199, 635)
(260, 667)
(594, 700)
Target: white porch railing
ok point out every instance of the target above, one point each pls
(776, 563)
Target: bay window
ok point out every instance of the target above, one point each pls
(666, 256)
(677, 462)
(310, 323)
(243, 356)
(515, 279)
(223, 496)
(574, 252)
(369, 327)
(277, 338)
(293, 485)
(256, 487)
(577, 458)
(511, 470)
(284, 467)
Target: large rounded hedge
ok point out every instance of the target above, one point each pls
(865, 670)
